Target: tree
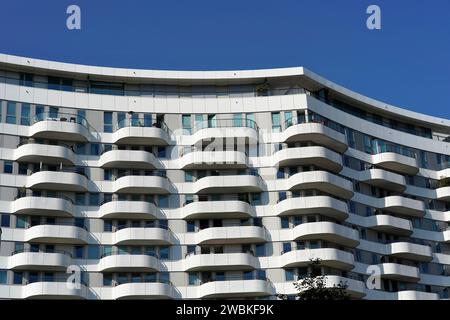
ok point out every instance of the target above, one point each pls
(313, 286)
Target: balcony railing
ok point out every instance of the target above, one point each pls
(53, 196)
(225, 123)
(142, 123)
(124, 253)
(313, 118)
(40, 251)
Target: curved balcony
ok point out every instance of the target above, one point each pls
(129, 263)
(129, 210)
(355, 288)
(409, 251)
(70, 234)
(50, 154)
(231, 235)
(443, 193)
(144, 290)
(229, 183)
(328, 231)
(323, 181)
(213, 160)
(47, 206)
(329, 257)
(218, 209)
(383, 179)
(142, 184)
(235, 289)
(316, 132)
(401, 295)
(396, 162)
(389, 224)
(220, 261)
(403, 205)
(134, 159)
(399, 272)
(324, 205)
(136, 132)
(319, 156)
(28, 260)
(142, 236)
(58, 180)
(54, 290)
(63, 126)
(245, 129)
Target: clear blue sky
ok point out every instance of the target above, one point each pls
(407, 63)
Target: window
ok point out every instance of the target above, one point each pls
(11, 112)
(189, 198)
(190, 226)
(289, 275)
(93, 199)
(288, 119)
(186, 123)
(198, 121)
(237, 120)
(188, 176)
(20, 222)
(40, 111)
(107, 279)
(25, 114)
(281, 196)
(79, 250)
(95, 149)
(6, 220)
(26, 79)
(276, 127)
(107, 174)
(287, 247)
(53, 112)
(107, 122)
(193, 279)
(163, 201)
(164, 277)
(164, 252)
(191, 249)
(23, 168)
(79, 199)
(147, 120)
(250, 122)
(211, 120)
(260, 250)
(93, 252)
(280, 174)
(107, 226)
(135, 119)
(284, 223)
(161, 152)
(3, 277)
(18, 277)
(121, 119)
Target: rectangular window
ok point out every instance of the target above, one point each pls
(93, 199)
(25, 114)
(79, 250)
(3, 276)
(107, 280)
(193, 279)
(287, 247)
(186, 123)
(289, 275)
(188, 176)
(53, 83)
(164, 252)
(281, 196)
(79, 199)
(198, 121)
(147, 120)
(190, 226)
(53, 112)
(18, 278)
(260, 250)
(11, 112)
(95, 149)
(7, 167)
(211, 120)
(163, 201)
(107, 174)
(121, 120)
(26, 79)
(135, 120)
(250, 120)
(288, 119)
(81, 117)
(276, 127)
(284, 223)
(107, 122)
(237, 120)
(6, 220)
(93, 252)
(20, 222)
(40, 112)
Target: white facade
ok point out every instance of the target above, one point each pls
(215, 184)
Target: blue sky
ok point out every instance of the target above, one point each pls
(406, 63)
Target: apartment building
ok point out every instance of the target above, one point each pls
(144, 184)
